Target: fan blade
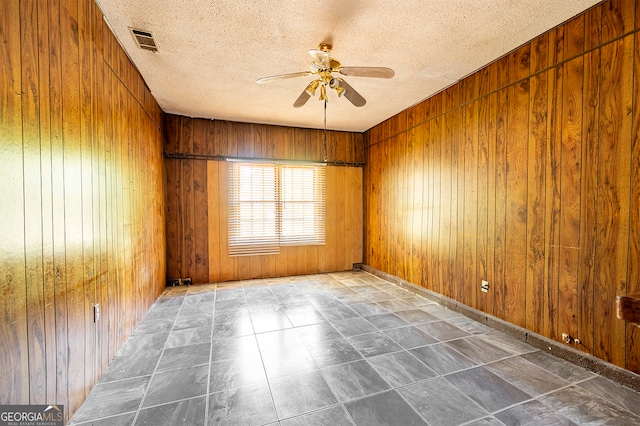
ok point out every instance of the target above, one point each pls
(354, 97)
(302, 99)
(283, 76)
(377, 72)
(321, 58)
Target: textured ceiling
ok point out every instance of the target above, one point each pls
(212, 51)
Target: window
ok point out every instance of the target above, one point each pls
(274, 204)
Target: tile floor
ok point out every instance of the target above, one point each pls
(336, 349)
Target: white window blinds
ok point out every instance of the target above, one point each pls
(274, 204)
(302, 197)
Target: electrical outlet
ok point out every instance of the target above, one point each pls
(96, 313)
(485, 286)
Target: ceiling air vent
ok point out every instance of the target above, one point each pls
(144, 39)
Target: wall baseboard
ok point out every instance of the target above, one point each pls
(619, 375)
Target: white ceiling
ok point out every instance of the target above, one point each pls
(212, 51)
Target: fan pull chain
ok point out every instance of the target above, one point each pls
(326, 158)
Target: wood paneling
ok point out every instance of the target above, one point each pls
(530, 181)
(197, 205)
(82, 201)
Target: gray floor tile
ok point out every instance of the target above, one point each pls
(119, 420)
(284, 354)
(394, 305)
(192, 322)
(334, 416)
(487, 421)
(559, 367)
(398, 292)
(442, 359)
(265, 320)
(188, 337)
(365, 289)
(230, 294)
(154, 326)
(128, 366)
(185, 412)
(507, 343)
(354, 380)
(469, 325)
(333, 352)
(342, 291)
(162, 313)
(288, 363)
(583, 407)
(386, 321)
(259, 292)
(263, 302)
(300, 394)
(373, 344)
(612, 392)
(416, 316)
(230, 305)
(112, 398)
(283, 289)
(441, 403)
(300, 316)
(369, 308)
(485, 388)
(533, 413)
(526, 376)
(249, 405)
(442, 330)
(354, 326)
(232, 323)
(383, 409)
(234, 348)
(316, 333)
(202, 297)
(339, 313)
(441, 312)
(400, 368)
(173, 385)
(184, 356)
(139, 343)
(417, 301)
(352, 299)
(195, 310)
(379, 296)
(410, 337)
(478, 350)
(233, 373)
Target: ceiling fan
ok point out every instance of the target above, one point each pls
(323, 66)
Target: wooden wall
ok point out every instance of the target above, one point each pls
(81, 201)
(526, 174)
(196, 198)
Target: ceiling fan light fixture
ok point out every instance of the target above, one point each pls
(323, 93)
(311, 88)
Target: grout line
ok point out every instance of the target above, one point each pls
(207, 398)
